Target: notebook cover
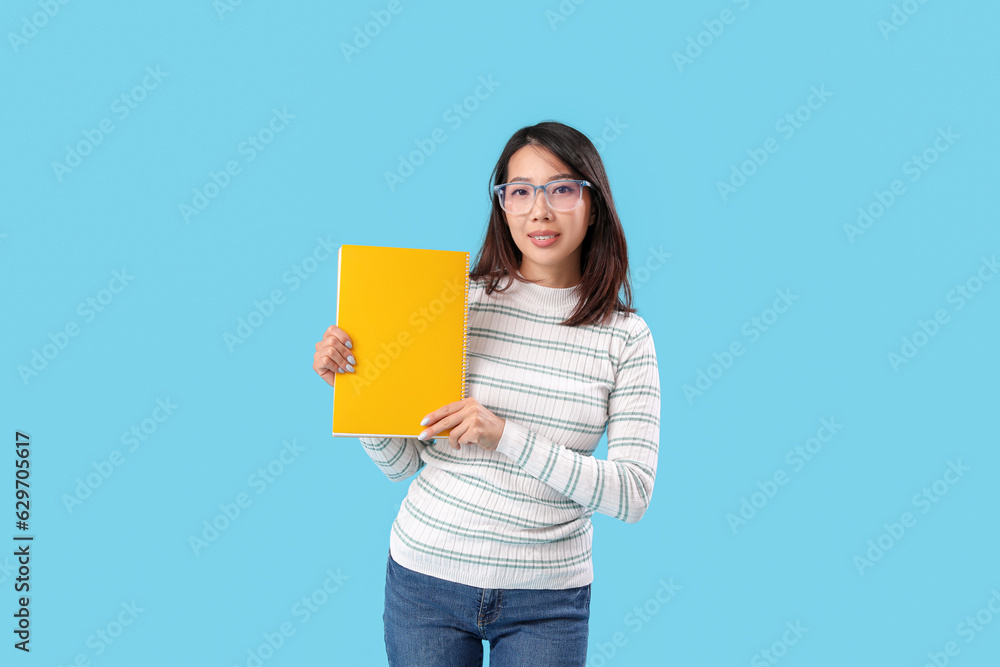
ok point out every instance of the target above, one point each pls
(406, 311)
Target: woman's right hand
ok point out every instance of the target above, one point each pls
(333, 354)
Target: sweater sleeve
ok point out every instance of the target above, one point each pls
(398, 458)
(622, 485)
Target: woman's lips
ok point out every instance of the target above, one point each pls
(545, 243)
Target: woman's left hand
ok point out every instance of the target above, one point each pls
(470, 424)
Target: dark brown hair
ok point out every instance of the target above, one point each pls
(604, 260)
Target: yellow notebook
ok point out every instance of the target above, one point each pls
(406, 311)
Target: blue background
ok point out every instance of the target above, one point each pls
(704, 263)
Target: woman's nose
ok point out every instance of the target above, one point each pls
(540, 207)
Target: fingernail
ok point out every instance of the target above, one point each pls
(349, 346)
(350, 368)
(350, 359)
(340, 370)
(424, 421)
(422, 435)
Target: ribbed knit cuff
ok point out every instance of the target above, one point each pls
(512, 442)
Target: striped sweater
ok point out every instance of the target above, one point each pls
(519, 516)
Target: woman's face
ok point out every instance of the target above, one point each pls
(558, 262)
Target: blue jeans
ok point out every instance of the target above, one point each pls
(432, 622)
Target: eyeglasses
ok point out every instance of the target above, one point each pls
(519, 198)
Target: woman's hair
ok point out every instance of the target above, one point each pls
(604, 260)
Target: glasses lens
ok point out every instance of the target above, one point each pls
(564, 195)
(517, 197)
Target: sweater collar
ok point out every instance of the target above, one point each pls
(549, 299)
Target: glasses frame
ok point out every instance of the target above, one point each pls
(545, 192)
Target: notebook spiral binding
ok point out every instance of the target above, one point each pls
(465, 335)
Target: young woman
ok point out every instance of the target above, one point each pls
(493, 540)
